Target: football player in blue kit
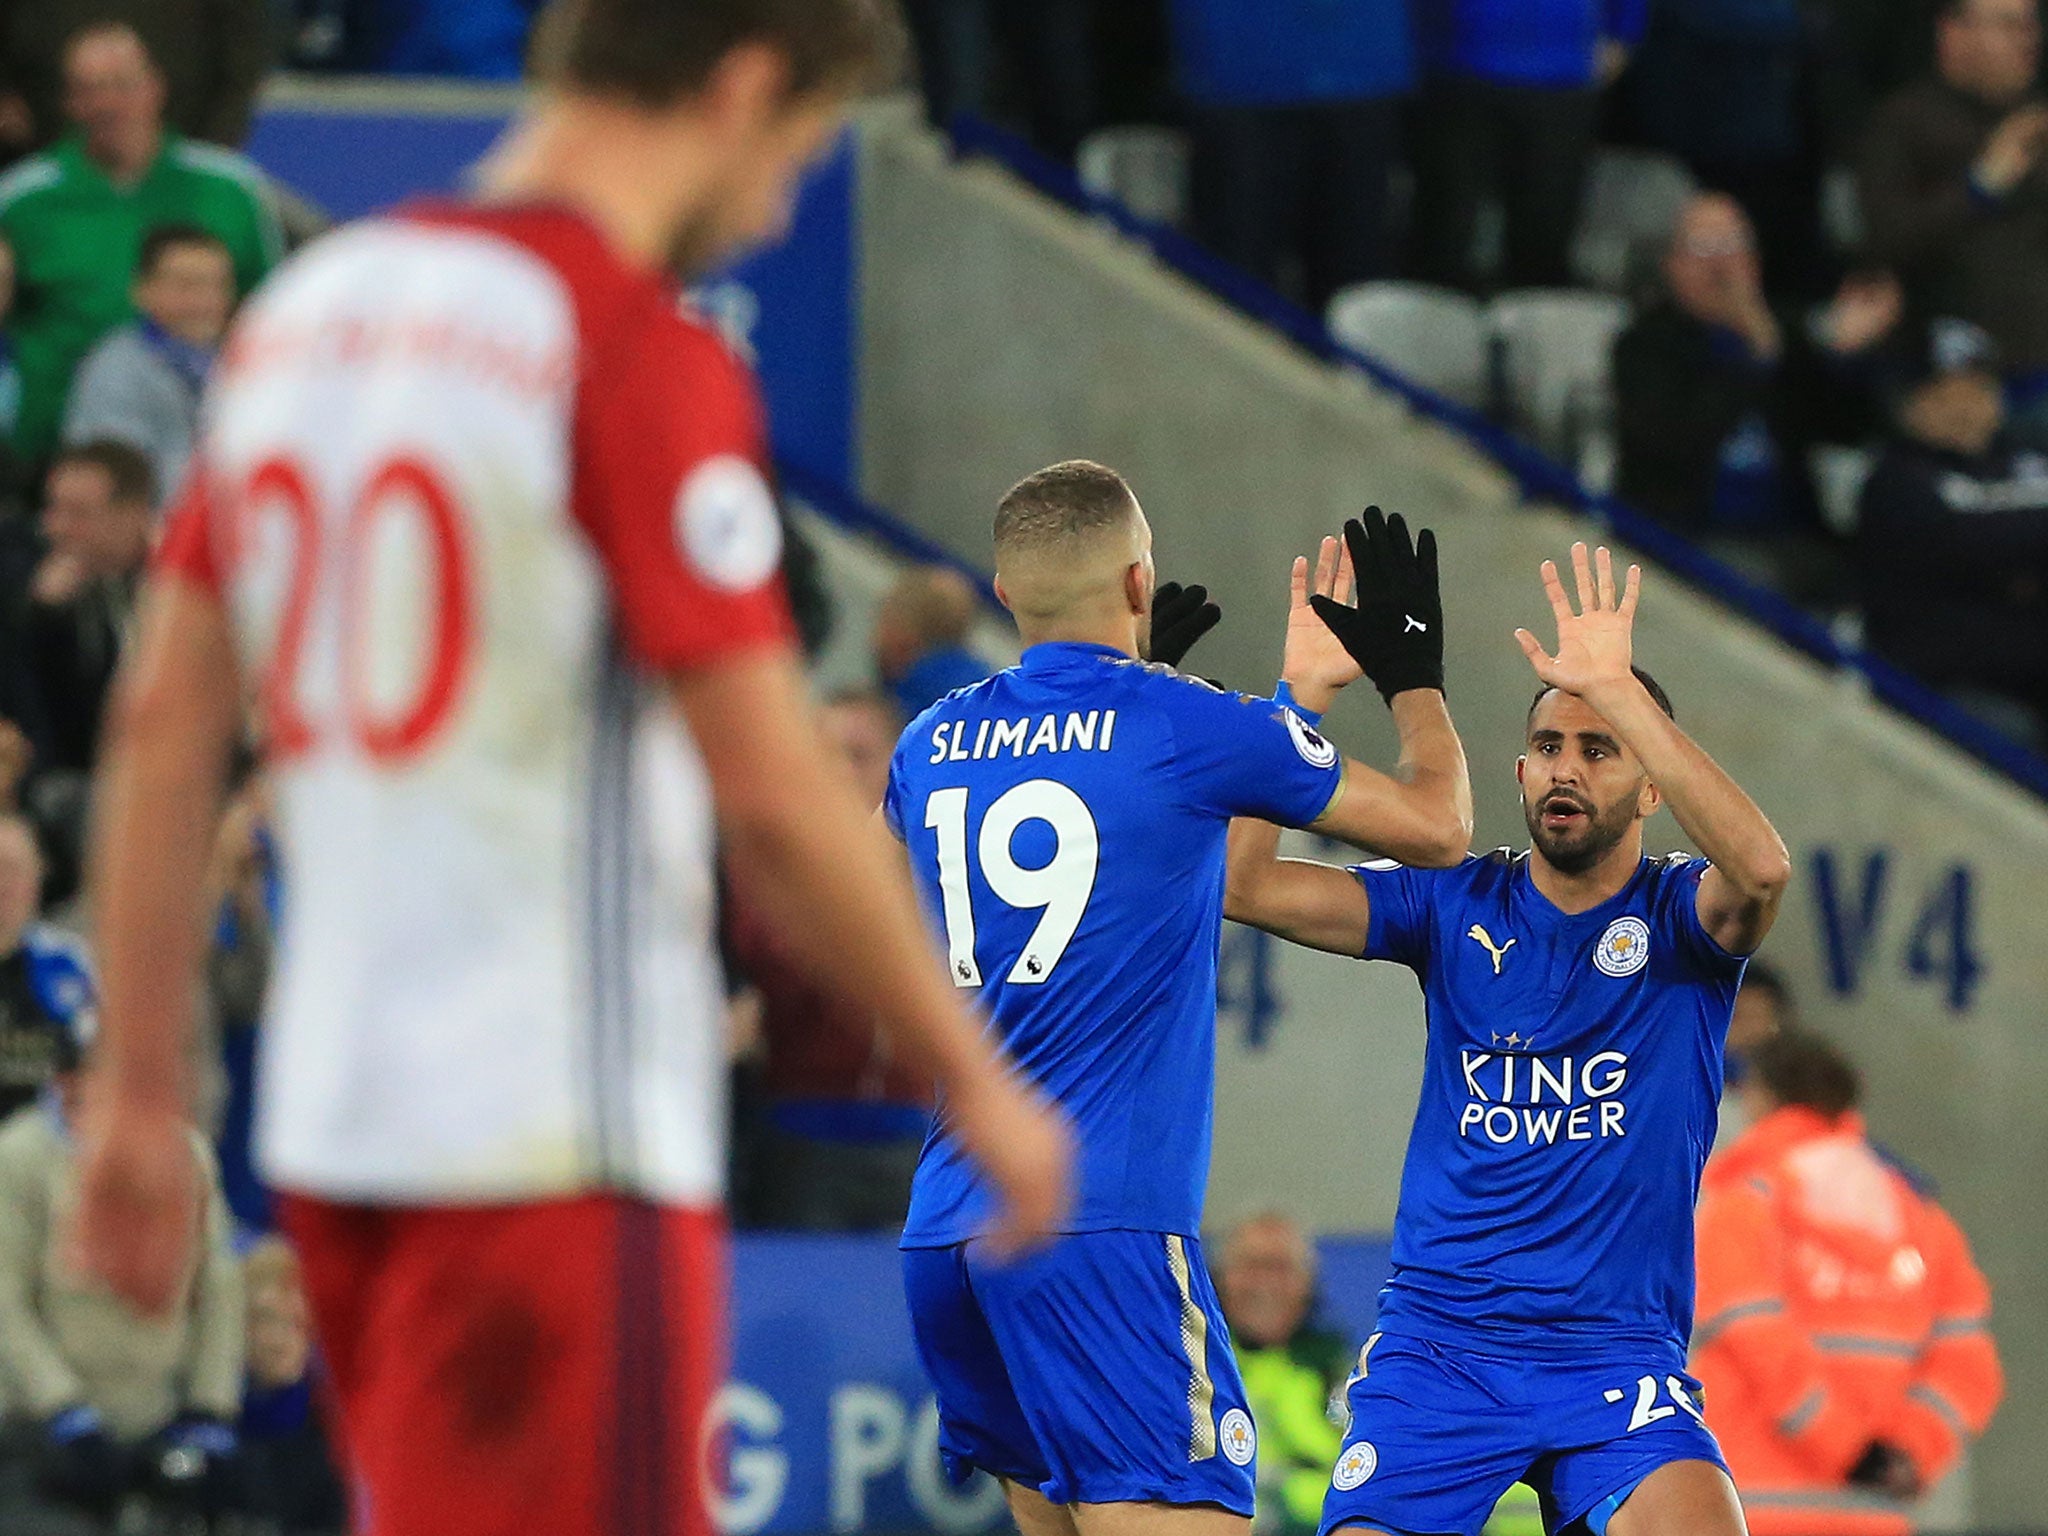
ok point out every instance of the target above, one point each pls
(1066, 822)
(1578, 995)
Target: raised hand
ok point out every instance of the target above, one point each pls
(1180, 617)
(1594, 648)
(1396, 631)
(1316, 664)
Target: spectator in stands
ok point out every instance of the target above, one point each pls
(1953, 538)
(1294, 111)
(141, 384)
(45, 985)
(1508, 107)
(921, 638)
(123, 1403)
(96, 524)
(467, 39)
(77, 215)
(1865, 50)
(1955, 192)
(1721, 84)
(292, 1482)
(1291, 1368)
(214, 55)
(1843, 1335)
(1715, 394)
(972, 53)
(845, 1119)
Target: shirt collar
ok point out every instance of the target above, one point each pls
(1067, 653)
(1554, 913)
(70, 150)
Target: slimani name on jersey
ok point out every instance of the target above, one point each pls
(1071, 732)
(1065, 820)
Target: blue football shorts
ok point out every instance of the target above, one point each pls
(1438, 1434)
(1097, 1370)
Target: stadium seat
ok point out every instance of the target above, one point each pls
(1141, 166)
(1555, 347)
(1436, 337)
(1632, 200)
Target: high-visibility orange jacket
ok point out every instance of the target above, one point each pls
(1837, 1306)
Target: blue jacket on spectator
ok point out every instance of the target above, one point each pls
(1262, 53)
(470, 39)
(1524, 42)
(58, 974)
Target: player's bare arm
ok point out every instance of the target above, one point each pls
(1421, 813)
(170, 729)
(1739, 895)
(802, 851)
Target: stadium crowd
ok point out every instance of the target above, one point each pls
(1806, 193)
(130, 227)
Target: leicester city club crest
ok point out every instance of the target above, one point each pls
(1624, 948)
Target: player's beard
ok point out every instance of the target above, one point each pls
(1590, 838)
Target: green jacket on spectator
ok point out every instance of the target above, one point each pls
(1289, 1389)
(76, 237)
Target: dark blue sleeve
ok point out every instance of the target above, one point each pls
(1240, 756)
(1678, 918)
(1402, 917)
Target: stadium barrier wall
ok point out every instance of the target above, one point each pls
(828, 1415)
(1910, 934)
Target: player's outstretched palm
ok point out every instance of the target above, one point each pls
(1316, 664)
(1594, 647)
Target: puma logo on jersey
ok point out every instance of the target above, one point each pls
(1485, 942)
(1414, 624)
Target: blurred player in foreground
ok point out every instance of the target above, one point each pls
(1066, 822)
(1578, 995)
(481, 513)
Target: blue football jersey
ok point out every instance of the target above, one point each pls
(1569, 1092)
(1065, 821)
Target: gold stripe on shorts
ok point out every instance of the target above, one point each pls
(1194, 1343)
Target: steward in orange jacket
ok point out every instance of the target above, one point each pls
(1842, 1330)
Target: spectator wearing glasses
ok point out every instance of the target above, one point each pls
(78, 213)
(1716, 393)
(1956, 196)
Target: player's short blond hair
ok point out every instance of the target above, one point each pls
(1062, 507)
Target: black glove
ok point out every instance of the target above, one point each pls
(79, 1463)
(1396, 633)
(1180, 617)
